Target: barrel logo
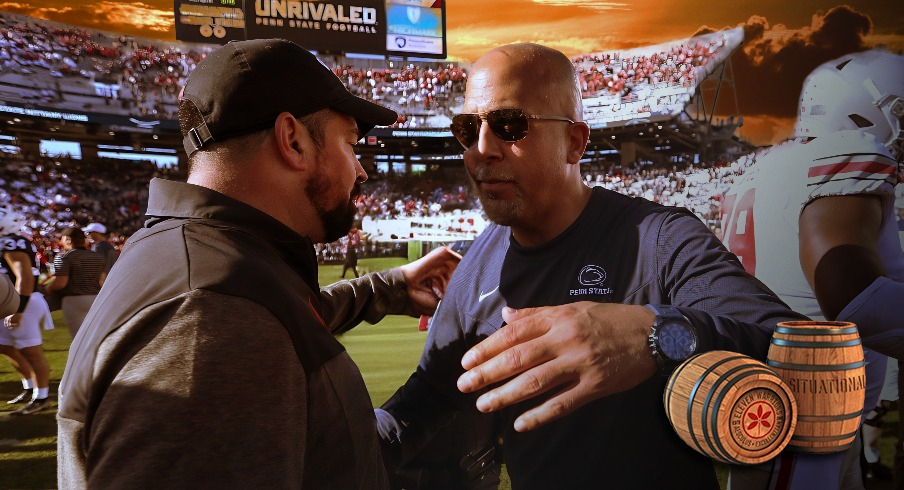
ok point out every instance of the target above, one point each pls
(757, 419)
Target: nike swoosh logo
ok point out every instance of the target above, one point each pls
(484, 295)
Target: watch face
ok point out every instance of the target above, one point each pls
(677, 341)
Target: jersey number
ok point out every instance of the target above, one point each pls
(12, 245)
(737, 227)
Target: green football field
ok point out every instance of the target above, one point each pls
(386, 353)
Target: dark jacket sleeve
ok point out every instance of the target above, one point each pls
(368, 298)
(731, 309)
(429, 400)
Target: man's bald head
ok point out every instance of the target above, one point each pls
(543, 71)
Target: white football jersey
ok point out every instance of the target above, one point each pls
(760, 211)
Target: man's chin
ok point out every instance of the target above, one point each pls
(502, 212)
(337, 223)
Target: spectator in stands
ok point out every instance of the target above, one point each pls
(97, 235)
(20, 339)
(615, 270)
(78, 275)
(225, 270)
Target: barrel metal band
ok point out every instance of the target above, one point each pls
(817, 345)
(704, 414)
(715, 416)
(816, 331)
(796, 437)
(671, 385)
(816, 367)
(693, 394)
(829, 418)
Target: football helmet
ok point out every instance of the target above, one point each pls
(860, 91)
(10, 221)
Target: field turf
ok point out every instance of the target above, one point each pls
(386, 353)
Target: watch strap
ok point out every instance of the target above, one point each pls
(664, 314)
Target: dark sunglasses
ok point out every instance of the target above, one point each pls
(508, 124)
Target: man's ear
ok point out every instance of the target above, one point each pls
(579, 135)
(293, 141)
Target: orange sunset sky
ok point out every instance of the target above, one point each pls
(784, 40)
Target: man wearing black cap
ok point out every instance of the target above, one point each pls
(208, 358)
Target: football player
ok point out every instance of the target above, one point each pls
(814, 219)
(20, 339)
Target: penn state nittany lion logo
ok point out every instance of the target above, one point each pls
(592, 275)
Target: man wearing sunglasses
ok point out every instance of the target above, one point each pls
(587, 297)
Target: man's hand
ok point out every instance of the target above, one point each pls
(427, 278)
(12, 321)
(585, 350)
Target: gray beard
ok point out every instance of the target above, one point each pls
(505, 213)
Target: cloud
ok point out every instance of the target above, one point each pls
(137, 14)
(770, 68)
(134, 18)
(590, 4)
(765, 130)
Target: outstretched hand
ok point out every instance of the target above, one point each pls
(427, 278)
(584, 350)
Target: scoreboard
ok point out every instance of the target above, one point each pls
(383, 27)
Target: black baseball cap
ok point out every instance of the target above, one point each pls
(242, 87)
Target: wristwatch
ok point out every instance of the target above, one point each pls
(673, 338)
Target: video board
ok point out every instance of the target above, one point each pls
(414, 28)
(652, 83)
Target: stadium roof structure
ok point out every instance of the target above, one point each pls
(108, 90)
(652, 83)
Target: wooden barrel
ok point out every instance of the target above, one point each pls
(730, 407)
(822, 363)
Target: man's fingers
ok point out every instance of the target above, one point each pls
(501, 340)
(527, 385)
(566, 401)
(511, 315)
(505, 365)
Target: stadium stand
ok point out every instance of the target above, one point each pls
(109, 92)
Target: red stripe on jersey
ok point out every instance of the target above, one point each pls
(844, 167)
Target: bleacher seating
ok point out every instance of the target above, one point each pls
(50, 65)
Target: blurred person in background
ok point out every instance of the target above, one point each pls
(78, 276)
(813, 218)
(97, 235)
(20, 337)
(351, 252)
(9, 297)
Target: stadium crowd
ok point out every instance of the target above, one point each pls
(612, 72)
(79, 69)
(143, 78)
(698, 188)
(54, 193)
(411, 89)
